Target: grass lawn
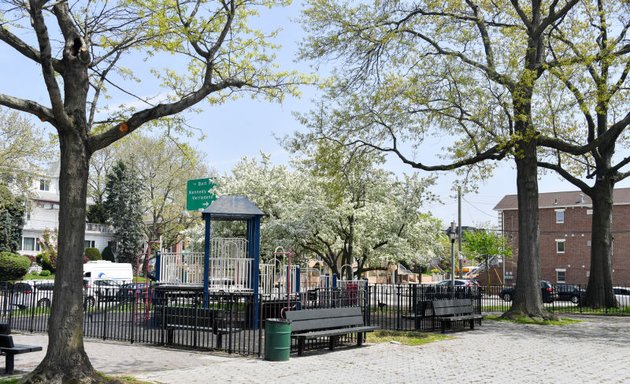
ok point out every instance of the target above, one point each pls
(404, 337)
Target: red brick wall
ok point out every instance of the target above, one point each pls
(576, 233)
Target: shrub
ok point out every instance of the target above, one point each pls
(13, 266)
(47, 263)
(108, 254)
(48, 243)
(45, 273)
(93, 253)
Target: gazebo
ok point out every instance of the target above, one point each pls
(235, 208)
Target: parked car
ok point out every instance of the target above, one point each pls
(548, 294)
(623, 296)
(29, 294)
(569, 292)
(130, 291)
(459, 283)
(100, 290)
(444, 289)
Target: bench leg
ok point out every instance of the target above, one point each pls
(472, 323)
(169, 335)
(219, 340)
(331, 342)
(360, 338)
(301, 341)
(9, 364)
(443, 326)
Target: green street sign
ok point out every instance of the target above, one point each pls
(199, 194)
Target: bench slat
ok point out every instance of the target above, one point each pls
(307, 325)
(323, 313)
(451, 310)
(335, 332)
(327, 322)
(9, 349)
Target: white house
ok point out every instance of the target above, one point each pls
(43, 213)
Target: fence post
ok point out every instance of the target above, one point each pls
(134, 311)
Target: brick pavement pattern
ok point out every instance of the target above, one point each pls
(596, 350)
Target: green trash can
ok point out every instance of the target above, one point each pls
(277, 339)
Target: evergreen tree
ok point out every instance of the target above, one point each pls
(97, 213)
(11, 220)
(123, 205)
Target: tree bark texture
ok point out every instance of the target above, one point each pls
(527, 300)
(66, 360)
(599, 293)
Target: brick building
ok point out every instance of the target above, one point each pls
(565, 235)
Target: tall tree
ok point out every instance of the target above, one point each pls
(371, 217)
(194, 51)
(123, 204)
(468, 69)
(354, 214)
(11, 220)
(100, 166)
(22, 150)
(163, 165)
(480, 245)
(588, 98)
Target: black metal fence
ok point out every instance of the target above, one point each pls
(402, 307)
(175, 316)
(143, 313)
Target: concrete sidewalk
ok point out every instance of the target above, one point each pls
(596, 350)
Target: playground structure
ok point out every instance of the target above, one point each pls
(230, 270)
(233, 264)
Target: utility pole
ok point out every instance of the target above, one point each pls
(459, 228)
(452, 234)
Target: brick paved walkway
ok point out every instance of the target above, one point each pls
(596, 350)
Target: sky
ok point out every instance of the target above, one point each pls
(244, 128)
(247, 127)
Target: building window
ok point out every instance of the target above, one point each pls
(589, 211)
(30, 244)
(559, 216)
(560, 245)
(561, 275)
(44, 185)
(89, 243)
(588, 243)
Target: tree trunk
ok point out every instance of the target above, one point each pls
(66, 360)
(599, 293)
(527, 299)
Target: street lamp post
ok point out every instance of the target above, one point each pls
(452, 235)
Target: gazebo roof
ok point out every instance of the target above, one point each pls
(232, 207)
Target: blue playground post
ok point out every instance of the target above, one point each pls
(298, 304)
(158, 264)
(206, 262)
(254, 241)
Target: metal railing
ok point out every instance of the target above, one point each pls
(179, 316)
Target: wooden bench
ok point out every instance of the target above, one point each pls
(9, 349)
(419, 312)
(328, 322)
(452, 310)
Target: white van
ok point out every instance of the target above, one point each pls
(106, 270)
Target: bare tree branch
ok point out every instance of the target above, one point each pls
(48, 71)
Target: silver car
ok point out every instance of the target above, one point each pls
(33, 294)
